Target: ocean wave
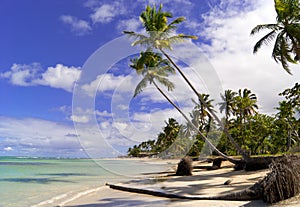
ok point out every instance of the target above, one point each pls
(63, 199)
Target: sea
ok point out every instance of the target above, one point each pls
(41, 182)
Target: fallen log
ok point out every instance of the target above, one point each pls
(281, 183)
(245, 195)
(145, 191)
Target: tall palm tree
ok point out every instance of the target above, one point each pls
(201, 114)
(228, 104)
(286, 115)
(286, 32)
(246, 103)
(154, 68)
(169, 134)
(245, 107)
(160, 35)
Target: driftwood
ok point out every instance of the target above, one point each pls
(245, 195)
(216, 164)
(256, 163)
(281, 183)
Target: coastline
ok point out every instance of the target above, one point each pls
(211, 183)
(202, 183)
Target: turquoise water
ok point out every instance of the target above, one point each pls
(31, 181)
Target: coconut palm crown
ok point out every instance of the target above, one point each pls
(160, 32)
(286, 32)
(152, 67)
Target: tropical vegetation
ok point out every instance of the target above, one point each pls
(286, 32)
(257, 133)
(244, 130)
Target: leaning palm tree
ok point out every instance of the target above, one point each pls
(286, 32)
(154, 68)
(160, 36)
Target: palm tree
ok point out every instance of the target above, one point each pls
(245, 106)
(154, 68)
(160, 36)
(286, 115)
(201, 115)
(169, 134)
(228, 104)
(246, 103)
(286, 32)
(288, 110)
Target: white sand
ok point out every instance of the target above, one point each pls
(202, 183)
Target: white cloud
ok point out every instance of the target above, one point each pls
(132, 24)
(123, 107)
(108, 82)
(106, 13)
(22, 75)
(59, 76)
(38, 137)
(80, 119)
(78, 26)
(230, 51)
(103, 113)
(80, 115)
(8, 149)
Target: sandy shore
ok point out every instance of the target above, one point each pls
(202, 183)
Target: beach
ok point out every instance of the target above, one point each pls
(40, 182)
(202, 182)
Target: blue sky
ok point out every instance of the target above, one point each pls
(45, 46)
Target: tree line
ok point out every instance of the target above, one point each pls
(257, 133)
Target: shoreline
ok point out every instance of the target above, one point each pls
(202, 183)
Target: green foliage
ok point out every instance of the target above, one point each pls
(134, 152)
(260, 133)
(159, 30)
(153, 68)
(256, 133)
(286, 32)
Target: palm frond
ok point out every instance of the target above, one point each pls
(188, 36)
(134, 35)
(140, 87)
(168, 69)
(293, 31)
(165, 82)
(261, 27)
(180, 38)
(264, 40)
(277, 47)
(143, 42)
(284, 64)
(281, 51)
(176, 21)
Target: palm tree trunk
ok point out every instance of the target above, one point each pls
(213, 148)
(240, 150)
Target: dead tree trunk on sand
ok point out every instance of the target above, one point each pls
(281, 183)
